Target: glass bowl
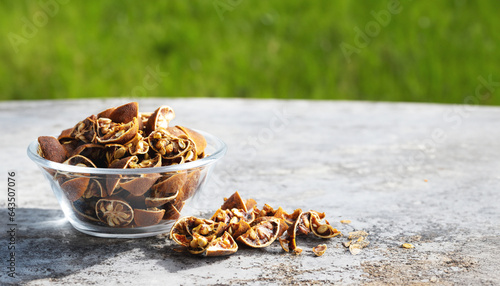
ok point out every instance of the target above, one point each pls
(131, 210)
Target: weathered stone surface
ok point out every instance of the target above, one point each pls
(419, 173)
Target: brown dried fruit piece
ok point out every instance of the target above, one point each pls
(138, 145)
(234, 202)
(109, 131)
(223, 245)
(322, 229)
(148, 217)
(171, 212)
(112, 181)
(94, 189)
(319, 250)
(232, 216)
(121, 114)
(114, 212)
(171, 185)
(182, 230)
(139, 186)
(85, 130)
(261, 234)
(283, 226)
(198, 139)
(50, 149)
(159, 119)
(75, 188)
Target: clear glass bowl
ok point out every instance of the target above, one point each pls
(83, 195)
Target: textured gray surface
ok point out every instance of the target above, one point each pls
(419, 173)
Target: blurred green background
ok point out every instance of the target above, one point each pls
(419, 51)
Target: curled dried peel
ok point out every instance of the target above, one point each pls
(182, 230)
(198, 139)
(234, 202)
(171, 185)
(114, 213)
(148, 217)
(322, 229)
(75, 188)
(122, 114)
(171, 212)
(94, 189)
(139, 186)
(233, 216)
(220, 246)
(283, 225)
(138, 145)
(115, 152)
(261, 234)
(50, 149)
(112, 181)
(119, 133)
(160, 118)
(85, 130)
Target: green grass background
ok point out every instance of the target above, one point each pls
(432, 51)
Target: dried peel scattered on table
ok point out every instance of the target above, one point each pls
(124, 138)
(407, 245)
(357, 241)
(240, 221)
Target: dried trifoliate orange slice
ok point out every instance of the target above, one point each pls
(85, 130)
(322, 229)
(148, 217)
(114, 152)
(119, 133)
(301, 225)
(237, 229)
(159, 119)
(140, 185)
(261, 234)
(171, 212)
(75, 188)
(112, 181)
(234, 202)
(232, 216)
(198, 139)
(138, 145)
(94, 189)
(122, 114)
(184, 228)
(283, 225)
(50, 149)
(171, 185)
(222, 245)
(113, 212)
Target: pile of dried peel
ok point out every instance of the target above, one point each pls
(240, 222)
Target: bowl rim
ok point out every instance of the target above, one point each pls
(218, 144)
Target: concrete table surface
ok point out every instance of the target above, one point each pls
(424, 174)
